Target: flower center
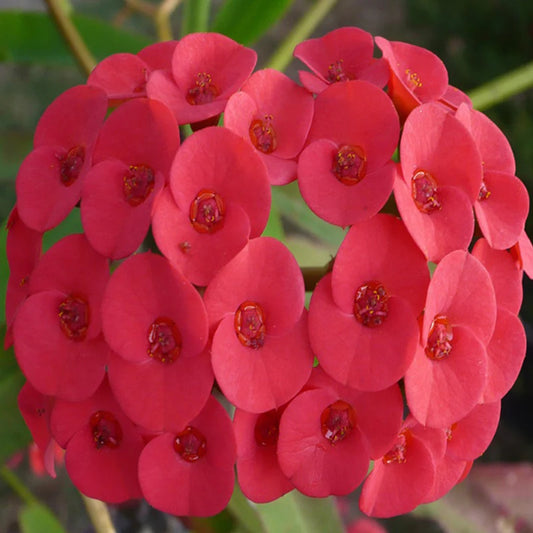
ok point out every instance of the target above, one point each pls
(439, 343)
(371, 304)
(349, 164)
(207, 212)
(484, 193)
(413, 80)
(337, 421)
(336, 72)
(397, 453)
(164, 340)
(71, 164)
(250, 325)
(105, 429)
(425, 192)
(190, 444)
(203, 91)
(266, 430)
(73, 314)
(262, 134)
(138, 183)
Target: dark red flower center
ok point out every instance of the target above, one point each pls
(106, 429)
(203, 91)
(266, 430)
(190, 444)
(425, 192)
(207, 212)
(262, 134)
(349, 164)
(371, 304)
(439, 343)
(337, 421)
(71, 164)
(73, 314)
(164, 340)
(484, 193)
(250, 324)
(138, 183)
(336, 72)
(397, 454)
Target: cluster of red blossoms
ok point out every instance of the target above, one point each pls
(122, 346)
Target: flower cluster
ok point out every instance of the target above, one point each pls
(123, 330)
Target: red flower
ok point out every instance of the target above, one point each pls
(363, 317)
(340, 55)
(405, 474)
(207, 68)
(156, 322)
(329, 432)
(417, 75)
(440, 179)
(274, 114)
(449, 371)
(23, 249)
(102, 446)
(260, 477)
(57, 329)
(36, 409)
(133, 156)
(260, 349)
(50, 179)
(124, 76)
(190, 472)
(345, 173)
(220, 197)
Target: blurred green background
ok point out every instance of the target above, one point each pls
(478, 40)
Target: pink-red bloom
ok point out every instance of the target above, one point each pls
(260, 349)
(340, 55)
(363, 316)
(219, 197)
(57, 329)
(156, 323)
(190, 471)
(345, 173)
(274, 115)
(449, 372)
(329, 432)
(132, 160)
(50, 179)
(207, 68)
(102, 446)
(417, 75)
(439, 182)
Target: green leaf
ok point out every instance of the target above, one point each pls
(246, 21)
(29, 37)
(71, 224)
(14, 435)
(296, 513)
(36, 518)
(274, 227)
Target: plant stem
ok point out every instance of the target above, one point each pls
(18, 487)
(99, 515)
(503, 87)
(306, 25)
(71, 35)
(195, 16)
(162, 19)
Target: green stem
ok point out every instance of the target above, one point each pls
(71, 35)
(195, 16)
(503, 87)
(283, 55)
(18, 487)
(99, 515)
(162, 19)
